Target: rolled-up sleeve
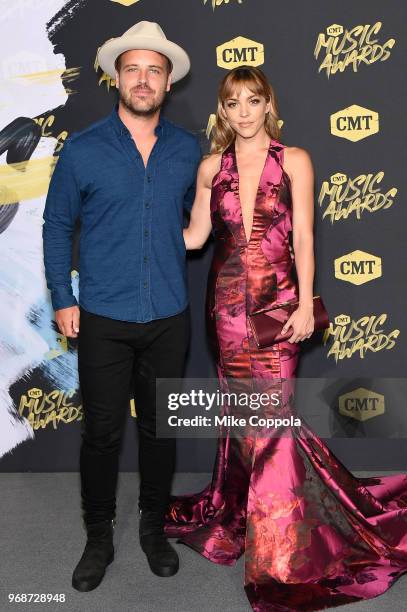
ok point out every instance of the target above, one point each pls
(61, 211)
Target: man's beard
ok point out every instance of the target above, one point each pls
(147, 111)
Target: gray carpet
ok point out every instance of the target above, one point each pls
(42, 539)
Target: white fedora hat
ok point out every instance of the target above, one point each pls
(143, 35)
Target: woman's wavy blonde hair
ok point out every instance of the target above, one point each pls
(222, 134)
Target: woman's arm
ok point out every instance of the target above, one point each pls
(302, 189)
(197, 233)
(299, 167)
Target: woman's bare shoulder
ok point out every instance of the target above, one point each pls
(209, 166)
(297, 159)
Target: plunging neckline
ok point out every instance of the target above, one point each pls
(257, 191)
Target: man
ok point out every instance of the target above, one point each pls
(127, 178)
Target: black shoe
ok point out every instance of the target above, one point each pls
(161, 556)
(98, 553)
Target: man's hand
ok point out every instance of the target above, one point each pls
(68, 321)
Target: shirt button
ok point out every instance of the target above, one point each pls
(147, 204)
(145, 284)
(146, 233)
(149, 179)
(145, 259)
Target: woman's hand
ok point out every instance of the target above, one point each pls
(302, 323)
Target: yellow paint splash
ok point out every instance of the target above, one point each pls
(48, 76)
(25, 180)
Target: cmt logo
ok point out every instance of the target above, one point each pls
(22, 65)
(358, 267)
(334, 30)
(338, 179)
(34, 393)
(361, 404)
(239, 51)
(354, 123)
(342, 319)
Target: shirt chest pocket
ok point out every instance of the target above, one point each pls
(177, 176)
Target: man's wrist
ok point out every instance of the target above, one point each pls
(62, 297)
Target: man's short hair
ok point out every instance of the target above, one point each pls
(117, 62)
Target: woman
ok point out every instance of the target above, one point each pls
(313, 534)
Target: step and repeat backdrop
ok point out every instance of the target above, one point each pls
(338, 71)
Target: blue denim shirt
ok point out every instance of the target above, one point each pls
(132, 257)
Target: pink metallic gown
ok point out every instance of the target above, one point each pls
(313, 535)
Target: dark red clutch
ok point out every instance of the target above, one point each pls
(267, 323)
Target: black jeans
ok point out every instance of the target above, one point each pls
(118, 360)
